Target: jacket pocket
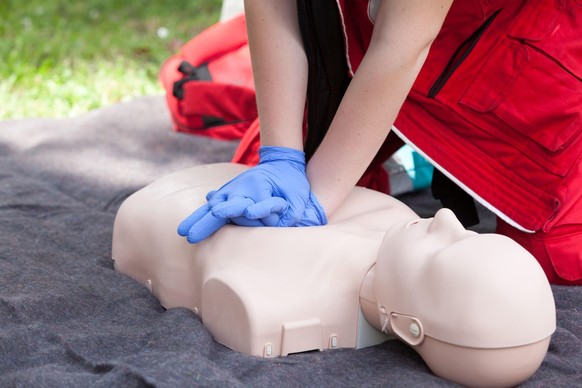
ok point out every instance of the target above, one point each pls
(531, 84)
(552, 28)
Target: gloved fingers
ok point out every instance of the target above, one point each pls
(205, 227)
(233, 207)
(210, 194)
(264, 208)
(243, 221)
(271, 220)
(216, 197)
(192, 219)
(292, 216)
(243, 185)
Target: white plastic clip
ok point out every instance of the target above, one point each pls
(268, 351)
(333, 341)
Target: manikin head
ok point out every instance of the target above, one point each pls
(463, 299)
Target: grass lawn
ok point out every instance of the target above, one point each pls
(61, 58)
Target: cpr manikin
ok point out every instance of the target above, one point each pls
(476, 307)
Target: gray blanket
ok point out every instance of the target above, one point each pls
(68, 319)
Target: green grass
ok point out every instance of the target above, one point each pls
(61, 58)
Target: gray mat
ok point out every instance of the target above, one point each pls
(67, 319)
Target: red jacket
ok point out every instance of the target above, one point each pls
(497, 107)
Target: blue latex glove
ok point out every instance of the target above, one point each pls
(314, 214)
(273, 193)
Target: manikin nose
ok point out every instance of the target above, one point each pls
(447, 224)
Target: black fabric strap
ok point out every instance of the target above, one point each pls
(454, 198)
(323, 39)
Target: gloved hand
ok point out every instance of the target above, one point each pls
(314, 214)
(273, 193)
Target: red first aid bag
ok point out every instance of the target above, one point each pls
(209, 83)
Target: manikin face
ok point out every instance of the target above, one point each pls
(429, 234)
(413, 258)
(410, 248)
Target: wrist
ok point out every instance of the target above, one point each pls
(276, 153)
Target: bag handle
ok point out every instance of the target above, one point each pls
(191, 73)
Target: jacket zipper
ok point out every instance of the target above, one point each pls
(460, 55)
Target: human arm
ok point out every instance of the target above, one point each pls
(276, 191)
(280, 70)
(402, 36)
(403, 33)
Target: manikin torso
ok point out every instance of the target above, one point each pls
(375, 267)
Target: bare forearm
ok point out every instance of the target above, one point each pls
(280, 70)
(371, 103)
(358, 130)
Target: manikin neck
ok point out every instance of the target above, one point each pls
(369, 301)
